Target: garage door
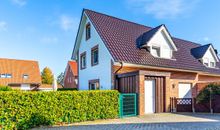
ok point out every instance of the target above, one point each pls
(185, 90)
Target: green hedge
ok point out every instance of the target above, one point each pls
(5, 88)
(204, 95)
(66, 89)
(24, 110)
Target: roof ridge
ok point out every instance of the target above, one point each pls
(119, 18)
(18, 59)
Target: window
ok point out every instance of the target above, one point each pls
(8, 75)
(94, 84)
(25, 76)
(212, 64)
(206, 64)
(155, 51)
(88, 31)
(94, 56)
(83, 60)
(5, 76)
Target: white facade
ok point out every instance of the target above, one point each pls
(25, 87)
(209, 58)
(163, 42)
(102, 70)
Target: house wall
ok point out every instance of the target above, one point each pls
(102, 71)
(171, 83)
(69, 80)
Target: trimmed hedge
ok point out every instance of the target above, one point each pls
(66, 89)
(5, 88)
(204, 95)
(24, 110)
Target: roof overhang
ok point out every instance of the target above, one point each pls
(165, 68)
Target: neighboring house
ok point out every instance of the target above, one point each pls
(71, 75)
(48, 87)
(117, 54)
(20, 74)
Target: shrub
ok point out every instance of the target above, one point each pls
(24, 110)
(66, 89)
(204, 95)
(5, 88)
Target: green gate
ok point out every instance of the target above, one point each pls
(128, 104)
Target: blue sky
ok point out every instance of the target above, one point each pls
(45, 30)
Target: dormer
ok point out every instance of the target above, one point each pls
(206, 54)
(158, 42)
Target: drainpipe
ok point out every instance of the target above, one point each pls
(116, 77)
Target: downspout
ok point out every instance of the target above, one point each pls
(116, 77)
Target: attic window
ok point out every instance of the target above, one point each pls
(88, 31)
(25, 76)
(155, 51)
(212, 64)
(5, 76)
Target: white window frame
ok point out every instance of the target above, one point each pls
(159, 50)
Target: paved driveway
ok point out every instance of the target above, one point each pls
(164, 121)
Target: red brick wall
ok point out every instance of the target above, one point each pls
(69, 80)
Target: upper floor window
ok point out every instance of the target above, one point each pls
(83, 60)
(208, 63)
(25, 76)
(88, 31)
(95, 55)
(155, 51)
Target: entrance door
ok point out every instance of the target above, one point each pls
(149, 89)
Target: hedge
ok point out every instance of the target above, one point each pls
(24, 110)
(66, 89)
(5, 88)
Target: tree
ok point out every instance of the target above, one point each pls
(60, 79)
(47, 76)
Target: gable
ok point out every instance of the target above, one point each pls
(80, 39)
(162, 37)
(210, 55)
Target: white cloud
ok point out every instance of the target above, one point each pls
(49, 40)
(163, 8)
(19, 2)
(68, 23)
(206, 39)
(3, 26)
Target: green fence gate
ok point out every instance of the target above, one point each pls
(128, 104)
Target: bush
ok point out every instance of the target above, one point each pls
(24, 110)
(5, 88)
(66, 89)
(204, 95)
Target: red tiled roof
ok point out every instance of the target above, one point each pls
(73, 66)
(120, 38)
(17, 68)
